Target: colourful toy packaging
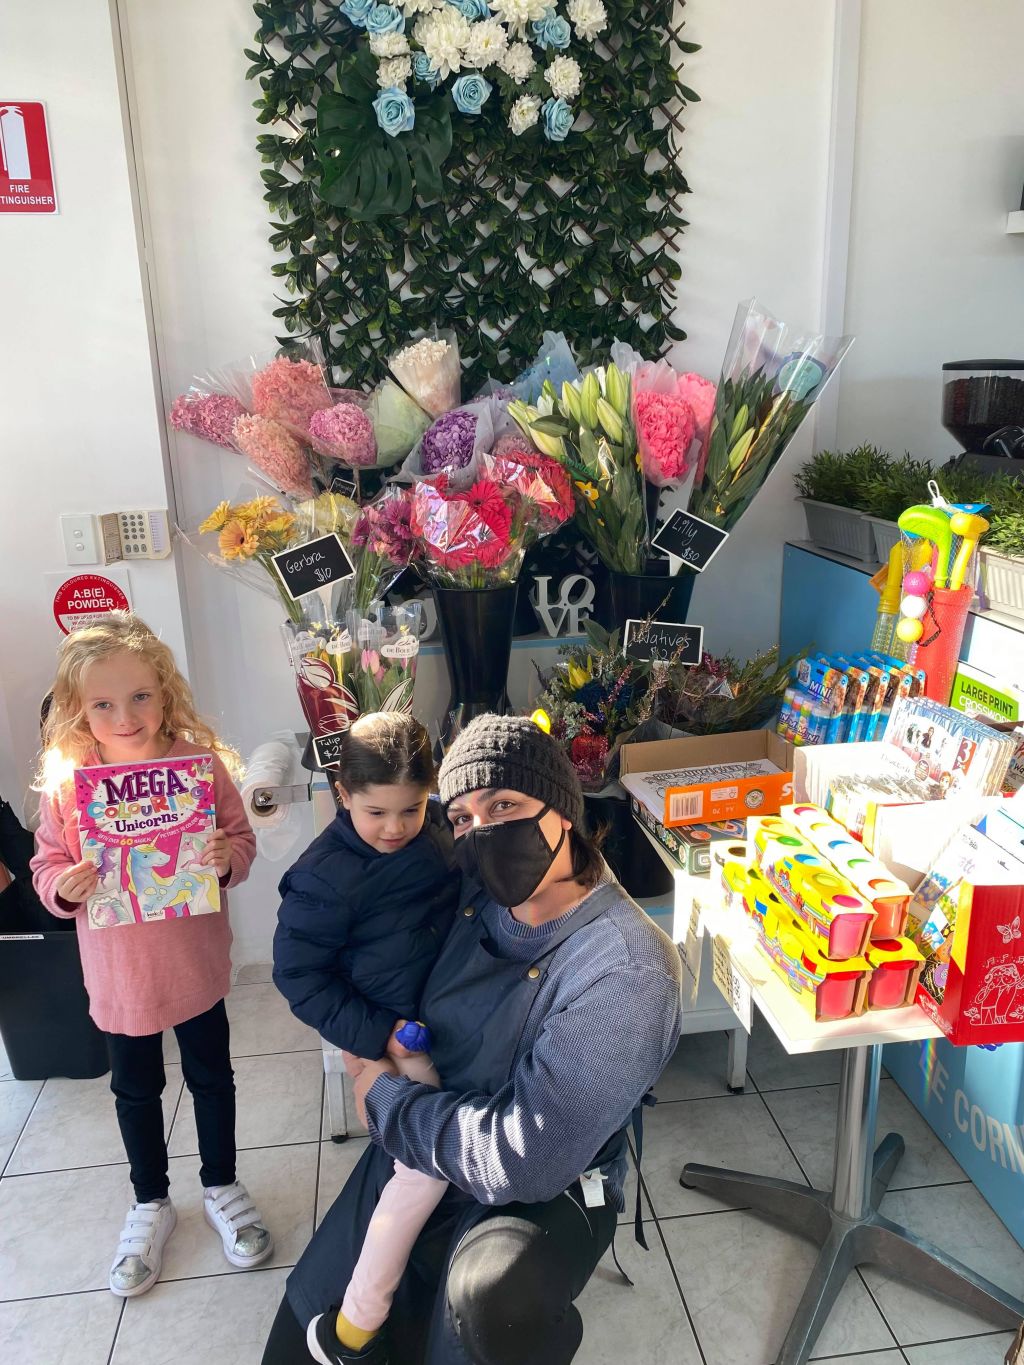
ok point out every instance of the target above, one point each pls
(827, 902)
(895, 969)
(687, 845)
(837, 699)
(888, 896)
(829, 990)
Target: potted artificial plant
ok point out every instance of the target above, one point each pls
(832, 486)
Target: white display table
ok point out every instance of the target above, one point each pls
(845, 1221)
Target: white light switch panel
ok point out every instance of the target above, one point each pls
(81, 538)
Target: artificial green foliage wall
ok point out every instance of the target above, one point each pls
(528, 235)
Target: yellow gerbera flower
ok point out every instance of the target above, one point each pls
(217, 518)
(259, 509)
(279, 526)
(236, 541)
(589, 491)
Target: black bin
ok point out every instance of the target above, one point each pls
(44, 1010)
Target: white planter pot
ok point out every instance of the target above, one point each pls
(886, 534)
(1003, 582)
(840, 529)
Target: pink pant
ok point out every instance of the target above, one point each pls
(405, 1204)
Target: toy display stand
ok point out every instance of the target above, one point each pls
(844, 1221)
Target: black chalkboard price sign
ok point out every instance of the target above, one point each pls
(662, 642)
(690, 539)
(327, 748)
(316, 564)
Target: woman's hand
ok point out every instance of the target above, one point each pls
(366, 1077)
(217, 853)
(78, 883)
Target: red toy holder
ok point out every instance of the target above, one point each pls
(938, 650)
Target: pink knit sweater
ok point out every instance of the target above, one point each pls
(144, 978)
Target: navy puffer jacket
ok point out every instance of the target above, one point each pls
(358, 931)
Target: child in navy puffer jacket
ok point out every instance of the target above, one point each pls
(363, 915)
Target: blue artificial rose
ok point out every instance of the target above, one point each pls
(425, 70)
(558, 119)
(357, 11)
(385, 19)
(394, 110)
(470, 92)
(551, 31)
(472, 9)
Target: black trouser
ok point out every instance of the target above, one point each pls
(511, 1288)
(137, 1079)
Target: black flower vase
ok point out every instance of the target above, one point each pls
(476, 632)
(634, 597)
(636, 865)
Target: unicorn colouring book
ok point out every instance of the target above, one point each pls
(145, 826)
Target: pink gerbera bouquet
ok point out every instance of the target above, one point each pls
(473, 538)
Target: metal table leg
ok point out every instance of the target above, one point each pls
(738, 1039)
(845, 1221)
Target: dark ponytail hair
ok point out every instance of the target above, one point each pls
(587, 860)
(383, 749)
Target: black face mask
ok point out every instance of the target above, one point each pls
(509, 859)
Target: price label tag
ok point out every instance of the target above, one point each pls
(690, 539)
(316, 564)
(693, 944)
(663, 642)
(730, 983)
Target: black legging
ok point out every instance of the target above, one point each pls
(511, 1287)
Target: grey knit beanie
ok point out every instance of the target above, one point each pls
(512, 752)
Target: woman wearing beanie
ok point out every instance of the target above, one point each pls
(554, 1006)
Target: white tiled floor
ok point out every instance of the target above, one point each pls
(717, 1288)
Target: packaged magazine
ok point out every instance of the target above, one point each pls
(145, 826)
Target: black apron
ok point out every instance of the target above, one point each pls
(477, 1004)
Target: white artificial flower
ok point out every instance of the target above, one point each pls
(389, 44)
(443, 35)
(516, 14)
(589, 17)
(564, 78)
(394, 71)
(518, 62)
(524, 113)
(418, 6)
(488, 42)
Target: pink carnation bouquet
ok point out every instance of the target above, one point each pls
(672, 413)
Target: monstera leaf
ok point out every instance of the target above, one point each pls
(365, 171)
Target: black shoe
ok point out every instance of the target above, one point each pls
(323, 1344)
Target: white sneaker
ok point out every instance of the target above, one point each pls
(140, 1252)
(230, 1211)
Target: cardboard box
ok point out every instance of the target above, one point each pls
(718, 796)
(688, 846)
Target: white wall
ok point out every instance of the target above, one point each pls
(756, 156)
(81, 427)
(939, 164)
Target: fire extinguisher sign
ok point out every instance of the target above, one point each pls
(26, 171)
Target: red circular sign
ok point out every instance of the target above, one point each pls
(85, 599)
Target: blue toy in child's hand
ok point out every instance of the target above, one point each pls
(414, 1037)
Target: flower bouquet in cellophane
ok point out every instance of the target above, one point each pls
(352, 653)
(771, 378)
(588, 428)
(594, 698)
(241, 538)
